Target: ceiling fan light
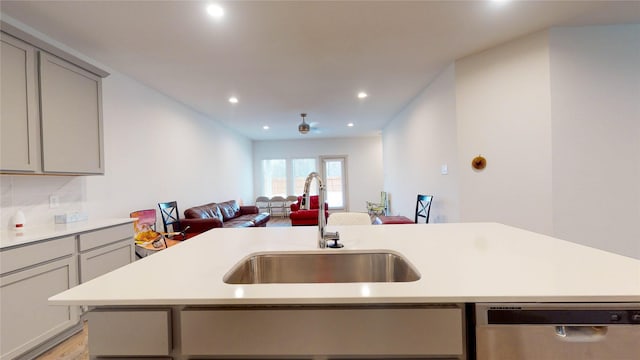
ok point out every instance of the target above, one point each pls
(304, 128)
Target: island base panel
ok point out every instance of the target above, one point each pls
(280, 332)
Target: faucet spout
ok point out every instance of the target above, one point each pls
(323, 235)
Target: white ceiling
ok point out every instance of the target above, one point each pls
(281, 58)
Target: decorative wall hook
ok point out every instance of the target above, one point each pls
(479, 162)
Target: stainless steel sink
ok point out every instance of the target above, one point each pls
(322, 267)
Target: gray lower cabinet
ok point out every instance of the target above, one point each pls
(130, 332)
(29, 276)
(32, 273)
(19, 126)
(51, 113)
(280, 331)
(104, 250)
(334, 331)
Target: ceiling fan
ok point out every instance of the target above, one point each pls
(305, 128)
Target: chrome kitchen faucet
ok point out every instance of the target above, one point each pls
(323, 236)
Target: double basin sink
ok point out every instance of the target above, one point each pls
(322, 267)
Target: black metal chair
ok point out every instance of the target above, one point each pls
(171, 218)
(423, 207)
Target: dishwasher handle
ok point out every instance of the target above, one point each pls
(581, 333)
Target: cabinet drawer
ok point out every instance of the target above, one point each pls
(105, 236)
(339, 331)
(32, 254)
(129, 332)
(105, 259)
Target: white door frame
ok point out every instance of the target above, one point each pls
(345, 181)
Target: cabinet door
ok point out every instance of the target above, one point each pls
(130, 332)
(71, 116)
(402, 331)
(19, 111)
(27, 318)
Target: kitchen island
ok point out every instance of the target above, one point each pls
(176, 304)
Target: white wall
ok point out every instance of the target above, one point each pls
(160, 150)
(503, 113)
(364, 162)
(156, 149)
(596, 136)
(557, 116)
(419, 140)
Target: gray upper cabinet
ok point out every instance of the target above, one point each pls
(71, 118)
(19, 132)
(51, 113)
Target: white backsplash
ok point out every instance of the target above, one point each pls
(31, 193)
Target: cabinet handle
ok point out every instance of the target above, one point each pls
(581, 333)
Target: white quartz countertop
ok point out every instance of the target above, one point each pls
(11, 238)
(472, 262)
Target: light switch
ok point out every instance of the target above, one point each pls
(444, 169)
(54, 201)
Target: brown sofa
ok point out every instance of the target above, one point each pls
(224, 214)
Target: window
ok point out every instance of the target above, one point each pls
(335, 178)
(274, 177)
(278, 181)
(301, 168)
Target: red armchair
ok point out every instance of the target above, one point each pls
(301, 217)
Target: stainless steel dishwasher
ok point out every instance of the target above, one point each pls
(603, 331)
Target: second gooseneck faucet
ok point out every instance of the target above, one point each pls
(323, 235)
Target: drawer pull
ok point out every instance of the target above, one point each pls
(581, 333)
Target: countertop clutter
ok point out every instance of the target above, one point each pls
(34, 233)
(468, 262)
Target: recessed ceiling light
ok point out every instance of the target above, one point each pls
(266, 127)
(350, 124)
(362, 95)
(233, 100)
(215, 10)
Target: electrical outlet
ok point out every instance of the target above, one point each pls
(54, 201)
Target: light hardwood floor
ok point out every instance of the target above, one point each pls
(279, 221)
(75, 347)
